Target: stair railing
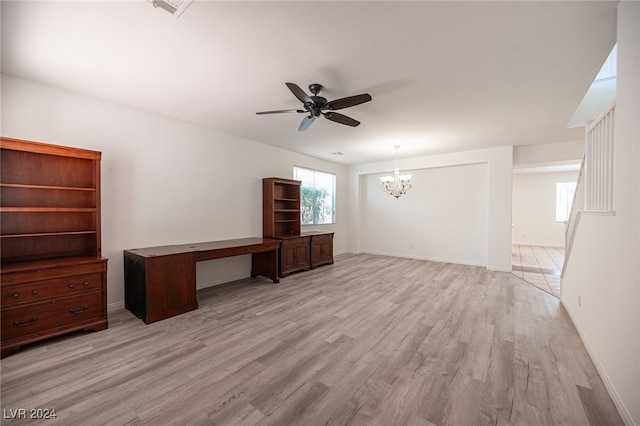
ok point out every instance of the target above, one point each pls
(599, 163)
(594, 188)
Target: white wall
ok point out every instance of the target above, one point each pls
(534, 208)
(443, 217)
(570, 152)
(495, 166)
(163, 181)
(603, 271)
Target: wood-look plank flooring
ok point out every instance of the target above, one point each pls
(370, 340)
(539, 265)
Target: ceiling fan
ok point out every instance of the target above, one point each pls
(316, 106)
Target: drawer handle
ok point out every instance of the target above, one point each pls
(15, 295)
(71, 286)
(24, 324)
(86, 283)
(34, 291)
(79, 311)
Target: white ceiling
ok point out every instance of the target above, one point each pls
(444, 76)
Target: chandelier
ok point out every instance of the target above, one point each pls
(397, 184)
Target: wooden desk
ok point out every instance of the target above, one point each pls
(160, 282)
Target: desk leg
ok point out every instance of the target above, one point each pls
(266, 264)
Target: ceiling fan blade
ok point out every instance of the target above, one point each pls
(299, 93)
(347, 102)
(341, 118)
(306, 122)
(281, 111)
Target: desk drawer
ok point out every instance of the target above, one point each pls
(248, 250)
(214, 254)
(18, 294)
(38, 317)
(258, 248)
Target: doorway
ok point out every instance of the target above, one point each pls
(538, 228)
(539, 265)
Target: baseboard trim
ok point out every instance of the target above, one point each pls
(431, 259)
(617, 401)
(500, 268)
(116, 306)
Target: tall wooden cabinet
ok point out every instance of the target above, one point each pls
(53, 278)
(281, 219)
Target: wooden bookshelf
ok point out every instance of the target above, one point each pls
(281, 219)
(49, 242)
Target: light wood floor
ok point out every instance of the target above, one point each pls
(539, 265)
(370, 340)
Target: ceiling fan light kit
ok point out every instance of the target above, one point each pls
(316, 106)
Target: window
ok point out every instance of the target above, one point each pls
(564, 199)
(317, 196)
(610, 67)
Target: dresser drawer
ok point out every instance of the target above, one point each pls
(24, 320)
(10, 277)
(18, 294)
(322, 238)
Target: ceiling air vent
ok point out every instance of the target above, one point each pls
(174, 7)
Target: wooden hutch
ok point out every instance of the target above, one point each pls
(281, 220)
(53, 278)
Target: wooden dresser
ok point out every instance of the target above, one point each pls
(53, 278)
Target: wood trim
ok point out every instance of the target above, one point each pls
(45, 148)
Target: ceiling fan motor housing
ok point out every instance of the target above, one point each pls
(315, 88)
(318, 101)
(316, 107)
